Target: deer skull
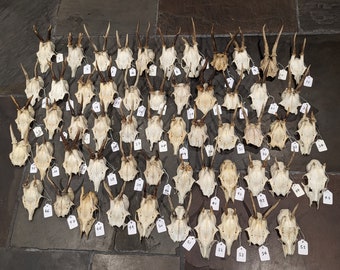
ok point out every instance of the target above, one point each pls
(228, 177)
(206, 181)
(241, 57)
(59, 88)
(124, 54)
(43, 157)
(132, 97)
(198, 132)
(46, 49)
(154, 171)
(232, 99)
(128, 130)
(307, 132)
(53, 118)
(20, 150)
(73, 158)
(278, 134)
(256, 177)
(252, 132)
(181, 94)
(280, 181)
(154, 130)
(33, 85)
(157, 98)
(101, 126)
(259, 95)
(78, 124)
(75, 54)
(226, 138)
(183, 180)
(85, 91)
(145, 55)
(297, 64)
(31, 196)
(177, 132)
(128, 167)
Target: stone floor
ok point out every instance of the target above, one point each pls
(48, 243)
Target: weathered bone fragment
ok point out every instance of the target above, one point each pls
(53, 118)
(59, 88)
(34, 85)
(32, 191)
(43, 157)
(177, 132)
(256, 177)
(46, 49)
(297, 64)
(145, 55)
(241, 57)
(307, 132)
(20, 150)
(75, 53)
(124, 54)
(183, 180)
(229, 178)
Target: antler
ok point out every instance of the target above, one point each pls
(105, 37)
(193, 32)
(118, 40)
(25, 72)
(37, 33)
(91, 42)
(276, 43)
(271, 209)
(253, 203)
(15, 102)
(213, 39)
(122, 190)
(297, 89)
(108, 190)
(13, 139)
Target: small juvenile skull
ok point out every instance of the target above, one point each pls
(177, 132)
(53, 118)
(297, 64)
(75, 54)
(183, 180)
(85, 91)
(226, 138)
(182, 95)
(253, 132)
(154, 171)
(31, 196)
(307, 132)
(43, 157)
(59, 88)
(145, 55)
(278, 134)
(33, 85)
(128, 168)
(20, 150)
(280, 181)
(124, 54)
(256, 177)
(229, 178)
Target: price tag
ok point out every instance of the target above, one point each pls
(217, 107)
(177, 71)
(160, 225)
(183, 151)
(83, 168)
(262, 200)
(164, 110)
(255, 70)
(132, 229)
(294, 147)
(305, 107)
(87, 138)
(303, 247)
(190, 113)
(220, 250)
(230, 82)
(137, 144)
(59, 58)
(264, 253)
(282, 74)
(241, 254)
(55, 171)
(99, 229)
(33, 168)
(327, 197)
(45, 101)
(163, 146)
(298, 190)
(132, 72)
(114, 146)
(87, 69)
(65, 135)
(209, 149)
(241, 113)
(96, 106)
(320, 144)
(72, 222)
(265, 153)
(67, 107)
(141, 111)
(167, 189)
(38, 131)
(112, 179)
(215, 203)
(153, 70)
(116, 103)
(308, 82)
(239, 194)
(273, 108)
(113, 71)
(138, 184)
(240, 148)
(47, 210)
(189, 243)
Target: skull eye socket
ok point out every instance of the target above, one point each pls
(310, 190)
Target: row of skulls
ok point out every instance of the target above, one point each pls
(205, 102)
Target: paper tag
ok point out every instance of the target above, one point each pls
(113, 71)
(294, 147)
(305, 107)
(241, 113)
(240, 148)
(65, 135)
(59, 58)
(141, 111)
(273, 108)
(262, 200)
(38, 131)
(216, 106)
(190, 113)
(177, 71)
(239, 194)
(230, 82)
(112, 179)
(167, 189)
(320, 144)
(138, 184)
(215, 203)
(308, 82)
(44, 101)
(99, 229)
(132, 229)
(303, 247)
(137, 144)
(183, 151)
(33, 168)
(264, 253)
(67, 107)
(220, 250)
(72, 222)
(160, 225)
(209, 149)
(189, 243)
(55, 171)
(282, 74)
(255, 70)
(164, 110)
(87, 138)
(241, 254)
(83, 168)
(327, 197)
(116, 103)
(298, 190)
(132, 72)
(96, 106)
(265, 153)
(114, 146)
(87, 69)
(163, 146)
(153, 70)
(47, 210)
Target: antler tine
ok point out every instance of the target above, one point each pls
(37, 33)
(271, 209)
(189, 203)
(36, 69)
(213, 39)
(261, 114)
(92, 154)
(28, 102)
(63, 68)
(172, 208)
(147, 36)
(295, 208)
(122, 190)
(49, 31)
(64, 140)
(214, 154)
(193, 31)
(233, 118)
(289, 78)
(73, 113)
(138, 36)
(303, 47)
(121, 147)
(176, 37)
(102, 148)
(161, 36)
(105, 37)
(232, 38)
(25, 72)
(294, 45)
(151, 89)
(265, 42)
(69, 182)
(242, 38)
(253, 203)
(297, 89)
(276, 42)
(69, 39)
(161, 87)
(118, 40)
(91, 42)
(57, 189)
(202, 156)
(201, 73)
(102, 78)
(108, 190)
(80, 37)
(245, 115)
(290, 160)
(15, 102)
(127, 40)
(251, 164)
(239, 81)
(137, 79)
(54, 78)
(13, 139)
